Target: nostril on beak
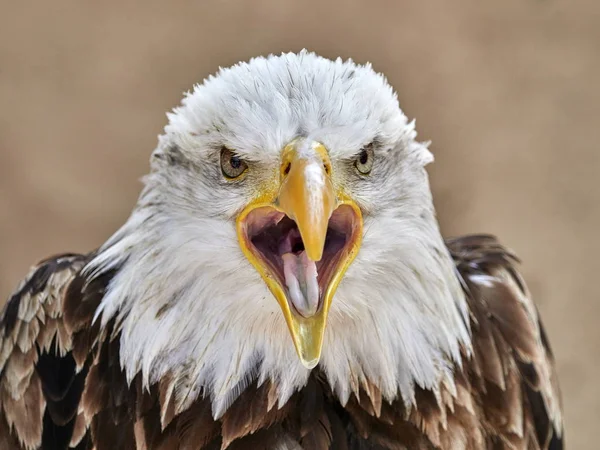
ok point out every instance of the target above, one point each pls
(287, 168)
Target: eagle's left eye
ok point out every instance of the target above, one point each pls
(232, 165)
(364, 162)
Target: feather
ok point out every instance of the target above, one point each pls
(519, 397)
(80, 428)
(319, 436)
(25, 413)
(248, 414)
(167, 400)
(195, 428)
(8, 440)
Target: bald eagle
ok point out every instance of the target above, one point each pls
(281, 283)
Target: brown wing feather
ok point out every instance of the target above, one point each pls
(47, 348)
(39, 387)
(512, 373)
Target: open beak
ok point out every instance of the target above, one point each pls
(301, 236)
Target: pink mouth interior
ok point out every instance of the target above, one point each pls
(271, 235)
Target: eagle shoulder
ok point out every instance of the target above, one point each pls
(45, 340)
(511, 370)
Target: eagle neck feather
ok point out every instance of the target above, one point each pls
(189, 307)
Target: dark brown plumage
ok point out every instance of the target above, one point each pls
(61, 385)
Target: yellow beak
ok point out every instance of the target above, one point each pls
(306, 195)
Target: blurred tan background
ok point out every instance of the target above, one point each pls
(507, 90)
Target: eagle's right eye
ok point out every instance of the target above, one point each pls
(364, 162)
(232, 165)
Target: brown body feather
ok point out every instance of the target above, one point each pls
(61, 385)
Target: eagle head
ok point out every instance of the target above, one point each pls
(286, 223)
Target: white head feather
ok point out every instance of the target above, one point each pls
(190, 304)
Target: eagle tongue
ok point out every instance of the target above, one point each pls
(301, 280)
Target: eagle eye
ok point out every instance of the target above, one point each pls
(364, 162)
(232, 165)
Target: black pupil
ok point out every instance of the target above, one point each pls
(364, 157)
(235, 162)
